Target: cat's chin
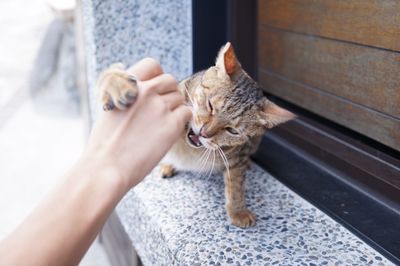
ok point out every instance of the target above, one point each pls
(193, 139)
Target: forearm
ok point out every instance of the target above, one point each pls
(62, 227)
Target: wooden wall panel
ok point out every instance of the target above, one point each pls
(363, 75)
(338, 59)
(373, 124)
(368, 22)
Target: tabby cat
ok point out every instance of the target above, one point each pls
(230, 114)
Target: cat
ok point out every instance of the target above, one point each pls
(230, 115)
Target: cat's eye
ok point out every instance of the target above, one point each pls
(232, 131)
(210, 105)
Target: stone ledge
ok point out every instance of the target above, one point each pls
(182, 221)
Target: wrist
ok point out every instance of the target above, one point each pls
(103, 169)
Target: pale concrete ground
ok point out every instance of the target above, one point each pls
(37, 145)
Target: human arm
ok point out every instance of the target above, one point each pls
(122, 149)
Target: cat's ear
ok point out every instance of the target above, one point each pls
(226, 59)
(273, 115)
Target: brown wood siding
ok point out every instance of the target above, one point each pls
(355, 85)
(360, 74)
(370, 123)
(369, 22)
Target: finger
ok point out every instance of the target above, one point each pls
(183, 114)
(173, 99)
(162, 84)
(146, 69)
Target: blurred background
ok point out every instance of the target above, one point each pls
(42, 131)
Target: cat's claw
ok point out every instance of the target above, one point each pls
(108, 106)
(132, 78)
(131, 96)
(123, 103)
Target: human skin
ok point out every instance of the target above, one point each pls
(123, 148)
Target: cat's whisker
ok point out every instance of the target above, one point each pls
(202, 159)
(207, 166)
(223, 155)
(225, 160)
(203, 153)
(250, 121)
(212, 167)
(204, 163)
(201, 162)
(190, 97)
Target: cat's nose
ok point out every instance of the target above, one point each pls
(208, 130)
(203, 132)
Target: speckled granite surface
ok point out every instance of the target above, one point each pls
(182, 221)
(128, 30)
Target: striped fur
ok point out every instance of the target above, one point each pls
(230, 114)
(224, 97)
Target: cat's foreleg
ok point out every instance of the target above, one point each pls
(235, 197)
(117, 88)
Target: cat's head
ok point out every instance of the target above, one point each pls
(229, 107)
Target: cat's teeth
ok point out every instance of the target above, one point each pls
(194, 139)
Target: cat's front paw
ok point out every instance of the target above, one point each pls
(117, 88)
(167, 170)
(243, 218)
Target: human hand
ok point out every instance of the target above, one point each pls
(123, 147)
(128, 144)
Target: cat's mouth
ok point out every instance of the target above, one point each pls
(194, 139)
